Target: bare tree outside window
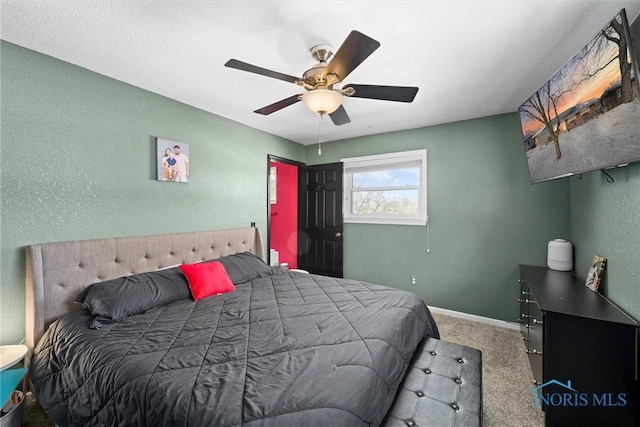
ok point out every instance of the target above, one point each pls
(389, 191)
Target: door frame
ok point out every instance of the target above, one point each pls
(299, 165)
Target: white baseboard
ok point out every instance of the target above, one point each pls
(473, 317)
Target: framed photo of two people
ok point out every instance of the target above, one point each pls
(172, 159)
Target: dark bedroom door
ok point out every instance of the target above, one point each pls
(320, 244)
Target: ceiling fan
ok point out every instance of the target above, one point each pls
(322, 81)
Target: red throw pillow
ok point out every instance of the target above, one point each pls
(206, 279)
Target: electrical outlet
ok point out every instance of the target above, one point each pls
(413, 280)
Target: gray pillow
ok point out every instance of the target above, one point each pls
(116, 299)
(244, 266)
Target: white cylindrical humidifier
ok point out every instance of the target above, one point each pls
(560, 255)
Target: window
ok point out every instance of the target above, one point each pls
(386, 188)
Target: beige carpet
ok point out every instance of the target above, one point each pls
(506, 376)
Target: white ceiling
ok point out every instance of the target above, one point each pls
(469, 58)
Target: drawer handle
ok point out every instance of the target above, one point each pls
(525, 339)
(525, 293)
(524, 316)
(526, 300)
(537, 322)
(534, 351)
(536, 382)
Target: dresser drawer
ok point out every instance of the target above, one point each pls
(535, 323)
(535, 349)
(524, 301)
(531, 324)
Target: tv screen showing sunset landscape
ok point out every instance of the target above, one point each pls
(587, 115)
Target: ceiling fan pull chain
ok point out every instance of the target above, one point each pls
(321, 138)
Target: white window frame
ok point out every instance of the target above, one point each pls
(393, 160)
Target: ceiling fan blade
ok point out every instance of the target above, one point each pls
(355, 49)
(278, 105)
(239, 65)
(385, 93)
(340, 116)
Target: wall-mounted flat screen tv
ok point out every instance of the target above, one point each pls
(587, 115)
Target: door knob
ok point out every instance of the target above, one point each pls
(338, 234)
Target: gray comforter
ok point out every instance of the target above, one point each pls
(286, 349)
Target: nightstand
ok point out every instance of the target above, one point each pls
(11, 355)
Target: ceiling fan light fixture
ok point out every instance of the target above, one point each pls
(322, 101)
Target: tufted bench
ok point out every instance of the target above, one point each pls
(442, 387)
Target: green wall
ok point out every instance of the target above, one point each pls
(485, 217)
(77, 160)
(605, 220)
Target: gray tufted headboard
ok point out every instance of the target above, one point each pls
(57, 272)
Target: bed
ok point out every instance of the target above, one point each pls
(282, 348)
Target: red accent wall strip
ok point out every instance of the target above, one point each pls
(284, 214)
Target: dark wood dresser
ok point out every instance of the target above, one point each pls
(582, 350)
